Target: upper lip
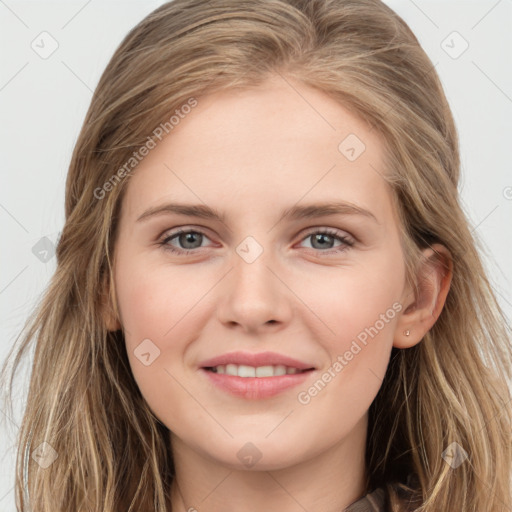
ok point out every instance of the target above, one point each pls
(255, 359)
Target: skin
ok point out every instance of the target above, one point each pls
(250, 154)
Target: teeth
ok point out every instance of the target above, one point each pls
(264, 371)
(243, 370)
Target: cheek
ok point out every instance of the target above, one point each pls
(359, 309)
(158, 316)
(363, 317)
(351, 300)
(155, 302)
(163, 305)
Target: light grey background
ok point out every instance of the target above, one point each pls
(43, 102)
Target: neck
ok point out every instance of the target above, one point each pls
(328, 481)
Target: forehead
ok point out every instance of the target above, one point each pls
(257, 148)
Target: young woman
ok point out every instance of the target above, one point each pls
(267, 295)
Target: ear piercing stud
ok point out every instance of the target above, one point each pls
(407, 332)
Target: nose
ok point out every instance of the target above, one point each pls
(254, 295)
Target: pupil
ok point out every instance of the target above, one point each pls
(189, 238)
(321, 238)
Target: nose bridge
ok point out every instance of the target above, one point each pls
(253, 294)
(253, 280)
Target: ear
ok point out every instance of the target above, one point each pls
(108, 314)
(422, 307)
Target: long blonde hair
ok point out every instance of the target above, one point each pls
(113, 453)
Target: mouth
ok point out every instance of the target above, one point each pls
(255, 376)
(255, 382)
(246, 371)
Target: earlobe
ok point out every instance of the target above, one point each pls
(423, 305)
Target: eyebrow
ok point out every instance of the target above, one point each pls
(307, 211)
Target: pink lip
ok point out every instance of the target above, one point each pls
(255, 388)
(255, 359)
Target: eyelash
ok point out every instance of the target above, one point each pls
(164, 243)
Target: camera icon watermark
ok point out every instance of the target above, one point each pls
(45, 45)
(146, 352)
(44, 455)
(44, 250)
(454, 455)
(454, 45)
(351, 147)
(249, 249)
(249, 455)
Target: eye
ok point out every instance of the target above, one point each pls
(322, 239)
(189, 239)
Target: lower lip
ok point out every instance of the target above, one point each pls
(256, 388)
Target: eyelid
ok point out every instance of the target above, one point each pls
(331, 231)
(173, 232)
(170, 233)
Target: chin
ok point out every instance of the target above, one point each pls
(258, 454)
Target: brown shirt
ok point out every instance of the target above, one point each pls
(372, 502)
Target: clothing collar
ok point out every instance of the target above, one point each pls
(372, 502)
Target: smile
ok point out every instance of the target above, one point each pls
(252, 387)
(242, 370)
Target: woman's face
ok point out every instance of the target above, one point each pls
(261, 288)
